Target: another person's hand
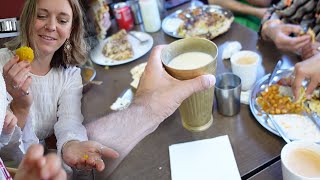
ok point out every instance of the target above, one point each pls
(86, 155)
(307, 70)
(163, 94)
(10, 122)
(279, 33)
(310, 50)
(35, 166)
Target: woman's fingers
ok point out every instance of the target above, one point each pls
(100, 165)
(108, 152)
(25, 86)
(21, 76)
(16, 68)
(9, 64)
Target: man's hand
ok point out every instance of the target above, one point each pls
(163, 94)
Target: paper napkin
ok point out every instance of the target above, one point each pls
(208, 159)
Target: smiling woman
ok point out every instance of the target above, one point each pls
(55, 31)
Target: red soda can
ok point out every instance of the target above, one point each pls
(123, 15)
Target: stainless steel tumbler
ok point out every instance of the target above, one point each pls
(227, 92)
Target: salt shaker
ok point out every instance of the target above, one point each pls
(150, 15)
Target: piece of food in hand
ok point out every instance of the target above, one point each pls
(25, 53)
(309, 32)
(85, 156)
(312, 34)
(118, 46)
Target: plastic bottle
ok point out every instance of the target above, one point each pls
(150, 15)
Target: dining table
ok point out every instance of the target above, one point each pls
(256, 150)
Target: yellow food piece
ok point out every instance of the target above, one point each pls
(312, 35)
(85, 156)
(25, 53)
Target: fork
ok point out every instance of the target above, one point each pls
(137, 38)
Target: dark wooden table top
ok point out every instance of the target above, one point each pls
(272, 172)
(254, 147)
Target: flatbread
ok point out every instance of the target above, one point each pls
(203, 22)
(118, 47)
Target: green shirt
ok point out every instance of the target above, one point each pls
(249, 21)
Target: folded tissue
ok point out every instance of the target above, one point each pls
(230, 48)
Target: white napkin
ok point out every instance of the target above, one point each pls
(206, 159)
(244, 97)
(230, 49)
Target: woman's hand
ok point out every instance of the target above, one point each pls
(86, 155)
(35, 166)
(310, 50)
(18, 81)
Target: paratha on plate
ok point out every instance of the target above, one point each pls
(206, 22)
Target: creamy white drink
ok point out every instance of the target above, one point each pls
(190, 60)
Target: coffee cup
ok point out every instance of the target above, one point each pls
(300, 160)
(245, 65)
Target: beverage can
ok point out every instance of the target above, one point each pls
(123, 15)
(135, 8)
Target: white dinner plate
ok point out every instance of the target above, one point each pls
(139, 49)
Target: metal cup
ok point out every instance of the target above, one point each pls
(227, 92)
(195, 111)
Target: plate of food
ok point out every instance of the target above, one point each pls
(121, 48)
(299, 118)
(208, 21)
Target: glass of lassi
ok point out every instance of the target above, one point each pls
(187, 59)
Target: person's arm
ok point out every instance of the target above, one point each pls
(260, 3)
(69, 125)
(157, 97)
(239, 7)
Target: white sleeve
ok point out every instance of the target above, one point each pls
(5, 56)
(69, 125)
(5, 138)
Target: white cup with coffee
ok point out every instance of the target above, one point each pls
(245, 65)
(300, 160)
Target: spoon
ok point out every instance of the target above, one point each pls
(274, 73)
(137, 38)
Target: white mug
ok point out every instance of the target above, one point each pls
(293, 156)
(245, 65)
